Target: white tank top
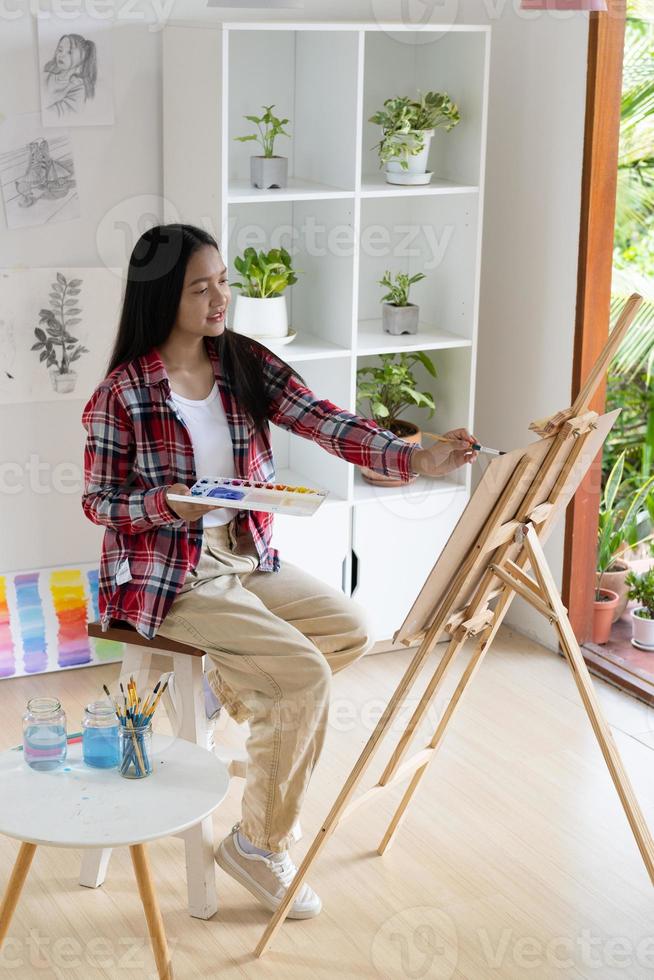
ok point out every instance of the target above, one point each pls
(212, 443)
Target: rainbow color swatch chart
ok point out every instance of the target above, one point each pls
(228, 491)
(43, 617)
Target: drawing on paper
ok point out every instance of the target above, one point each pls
(56, 345)
(37, 173)
(43, 176)
(59, 321)
(75, 71)
(70, 75)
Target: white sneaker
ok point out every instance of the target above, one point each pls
(267, 878)
(209, 737)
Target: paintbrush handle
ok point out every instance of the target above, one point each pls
(475, 445)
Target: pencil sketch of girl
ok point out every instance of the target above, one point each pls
(71, 74)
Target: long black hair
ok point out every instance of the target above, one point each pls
(155, 278)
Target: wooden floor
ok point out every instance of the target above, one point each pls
(515, 860)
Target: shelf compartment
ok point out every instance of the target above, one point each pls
(435, 235)
(455, 62)
(452, 390)
(295, 71)
(320, 238)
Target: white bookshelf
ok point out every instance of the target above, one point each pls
(344, 225)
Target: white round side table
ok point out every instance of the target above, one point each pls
(78, 806)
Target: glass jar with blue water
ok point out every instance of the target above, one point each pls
(44, 734)
(100, 735)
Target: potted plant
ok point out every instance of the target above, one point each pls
(261, 304)
(398, 315)
(617, 529)
(641, 588)
(267, 169)
(59, 349)
(407, 129)
(390, 388)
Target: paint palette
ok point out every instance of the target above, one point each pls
(230, 491)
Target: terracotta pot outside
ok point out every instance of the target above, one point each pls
(614, 581)
(603, 615)
(412, 434)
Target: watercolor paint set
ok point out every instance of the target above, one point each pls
(249, 495)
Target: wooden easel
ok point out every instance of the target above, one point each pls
(483, 566)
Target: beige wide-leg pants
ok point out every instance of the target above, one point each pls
(273, 640)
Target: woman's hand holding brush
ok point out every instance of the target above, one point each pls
(447, 452)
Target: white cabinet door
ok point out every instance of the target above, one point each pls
(319, 544)
(396, 543)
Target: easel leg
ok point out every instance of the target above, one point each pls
(472, 667)
(330, 824)
(591, 704)
(470, 671)
(428, 696)
(15, 886)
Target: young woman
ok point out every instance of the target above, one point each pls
(185, 398)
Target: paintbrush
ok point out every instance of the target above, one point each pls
(478, 448)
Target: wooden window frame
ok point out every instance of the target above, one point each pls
(596, 233)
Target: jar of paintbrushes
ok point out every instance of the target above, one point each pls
(135, 729)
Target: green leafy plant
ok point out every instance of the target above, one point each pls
(269, 126)
(403, 121)
(617, 523)
(391, 387)
(265, 274)
(631, 378)
(53, 336)
(398, 291)
(633, 432)
(641, 588)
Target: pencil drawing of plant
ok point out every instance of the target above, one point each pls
(55, 342)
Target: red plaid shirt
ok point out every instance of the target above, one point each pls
(138, 445)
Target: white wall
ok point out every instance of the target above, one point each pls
(41, 522)
(531, 219)
(531, 231)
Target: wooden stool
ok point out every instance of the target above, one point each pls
(142, 655)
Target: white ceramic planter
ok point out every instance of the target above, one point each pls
(258, 317)
(642, 631)
(416, 164)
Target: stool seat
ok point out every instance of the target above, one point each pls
(124, 632)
